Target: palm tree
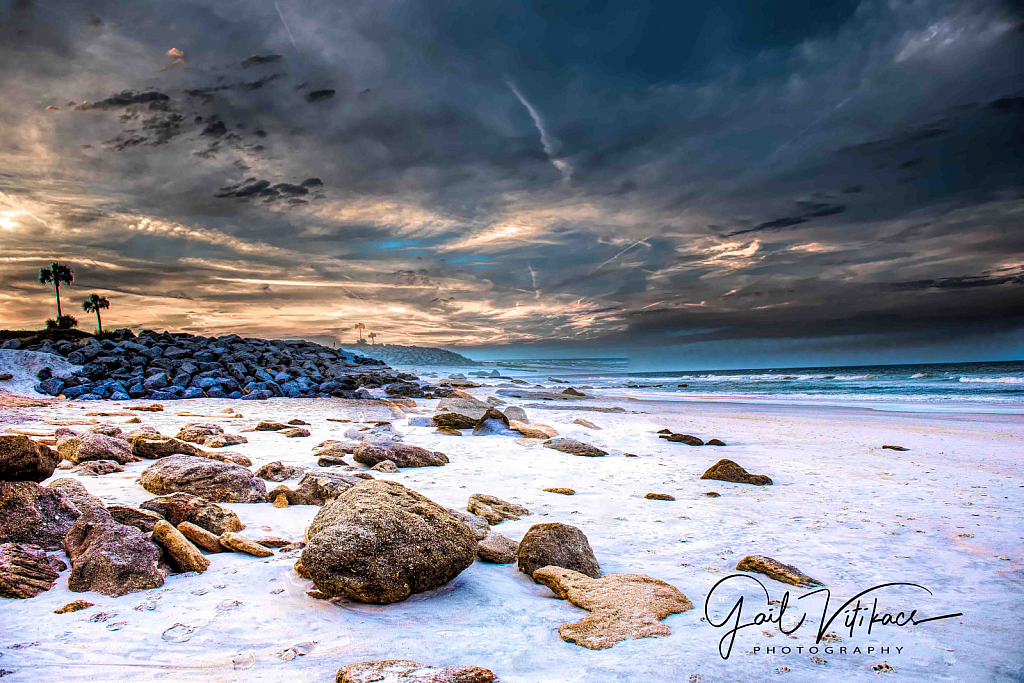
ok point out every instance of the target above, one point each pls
(372, 336)
(93, 304)
(360, 327)
(58, 274)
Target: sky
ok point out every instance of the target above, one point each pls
(719, 183)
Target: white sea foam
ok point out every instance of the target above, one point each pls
(994, 380)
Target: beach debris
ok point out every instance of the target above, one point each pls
(25, 571)
(386, 466)
(687, 439)
(216, 481)
(561, 490)
(727, 470)
(185, 507)
(659, 496)
(277, 471)
(497, 549)
(883, 668)
(478, 524)
(495, 510)
(774, 569)
(241, 544)
(74, 606)
(152, 408)
(407, 671)
(109, 557)
(402, 455)
(630, 455)
(22, 459)
(76, 493)
(201, 537)
(33, 514)
(622, 606)
(895, 448)
(559, 545)
(97, 468)
(184, 556)
(380, 542)
(574, 447)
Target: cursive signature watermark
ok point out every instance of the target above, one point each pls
(861, 612)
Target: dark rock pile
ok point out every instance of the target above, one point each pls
(167, 366)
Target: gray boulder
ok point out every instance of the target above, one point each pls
(220, 482)
(22, 459)
(109, 557)
(403, 455)
(558, 545)
(30, 513)
(381, 542)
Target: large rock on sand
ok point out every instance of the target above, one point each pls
(727, 470)
(316, 488)
(110, 558)
(76, 493)
(96, 447)
(30, 513)
(403, 455)
(459, 412)
(557, 545)
(621, 606)
(156, 446)
(407, 671)
(22, 459)
(184, 507)
(574, 447)
(25, 571)
(220, 482)
(381, 542)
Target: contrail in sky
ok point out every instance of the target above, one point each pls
(280, 14)
(545, 140)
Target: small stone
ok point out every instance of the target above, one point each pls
(386, 466)
(563, 491)
(659, 496)
(294, 432)
(895, 448)
(277, 471)
(727, 470)
(572, 392)
(330, 461)
(586, 423)
(497, 549)
(574, 447)
(185, 556)
(297, 421)
(73, 606)
(25, 571)
(687, 439)
(241, 544)
(630, 455)
(97, 468)
(714, 442)
(267, 426)
(533, 431)
(773, 569)
(713, 494)
(201, 537)
(273, 542)
(143, 520)
(280, 500)
(495, 510)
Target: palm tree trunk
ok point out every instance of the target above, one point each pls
(56, 292)
(99, 323)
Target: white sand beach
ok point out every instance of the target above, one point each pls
(947, 514)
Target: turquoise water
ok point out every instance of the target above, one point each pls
(996, 385)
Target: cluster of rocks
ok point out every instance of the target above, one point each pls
(687, 439)
(416, 356)
(167, 366)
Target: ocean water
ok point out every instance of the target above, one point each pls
(991, 387)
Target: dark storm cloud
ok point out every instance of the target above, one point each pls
(753, 170)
